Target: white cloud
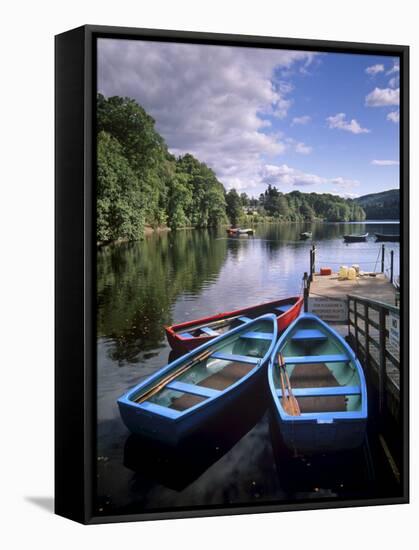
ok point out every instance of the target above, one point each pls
(394, 116)
(284, 175)
(305, 119)
(385, 162)
(394, 69)
(302, 148)
(211, 101)
(394, 82)
(375, 69)
(382, 97)
(339, 121)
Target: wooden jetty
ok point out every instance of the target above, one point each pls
(365, 311)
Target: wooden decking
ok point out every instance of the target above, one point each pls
(376, 287)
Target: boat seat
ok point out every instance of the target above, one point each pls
(237, 358)
(192, 388)
(257, 335)
(186, 335)
(305, 334)
(299, 360)
(245, 319)
(284, 308)
(209, 331)
(316, 392)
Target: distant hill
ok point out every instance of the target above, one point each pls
(381, 206)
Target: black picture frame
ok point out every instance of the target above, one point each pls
(75, 275)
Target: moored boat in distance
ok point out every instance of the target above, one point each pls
(178, 400)
(382, 237)
(186, 336)
(326, 380)
(306, 235)
(355, 238)
(238, 232)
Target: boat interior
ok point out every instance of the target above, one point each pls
(221, 326)
(230, 361)
(322, 375)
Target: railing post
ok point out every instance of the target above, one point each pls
(382, 258)
(367, 335)
(313, 254)
(391, 266)
(356, 325)
(382, 361)
(349, 316)
(306, 291)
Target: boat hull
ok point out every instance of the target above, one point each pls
(381, 237)
(182, 344)
(173, 433)
(173, 426)
(313, 438)
(313, 433)
(355, 238)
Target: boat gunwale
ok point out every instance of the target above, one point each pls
(176, 416)
(225, 315)
(323, 417)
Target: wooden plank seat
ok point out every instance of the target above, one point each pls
(185, 387)
(186, 335)
(209, 331)
(308, 335)
(315, 392)
(234, 357)
(316, 375)
(257, 335)
(313, 359)
(244, 319)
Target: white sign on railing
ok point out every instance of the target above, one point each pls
(328, 309)
(394, 330)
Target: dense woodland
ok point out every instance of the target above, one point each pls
(139, 184)
(381, 206)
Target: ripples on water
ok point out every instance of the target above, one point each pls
(169, 278)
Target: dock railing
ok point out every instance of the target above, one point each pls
(373, 327)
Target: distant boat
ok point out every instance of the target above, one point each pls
(306, 235)
(328, 384)
(180, 399)
(382, 237)
(186, 336)
(237, 232)
(355, 238)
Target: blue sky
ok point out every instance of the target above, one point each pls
(297, 120)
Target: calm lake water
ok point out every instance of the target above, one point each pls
(169, 278)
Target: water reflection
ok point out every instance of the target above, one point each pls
(169, 278)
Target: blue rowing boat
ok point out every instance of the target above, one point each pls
(178, 401)
(326, 381)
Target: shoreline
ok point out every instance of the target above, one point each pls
(149, 230)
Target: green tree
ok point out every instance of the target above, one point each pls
(120, 203)
(234, 207)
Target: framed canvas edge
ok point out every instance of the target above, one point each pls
(87, 442)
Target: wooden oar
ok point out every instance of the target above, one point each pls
(211, 324)
(160, 385)
(290, 402)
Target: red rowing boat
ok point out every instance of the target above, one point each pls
(185, 337)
